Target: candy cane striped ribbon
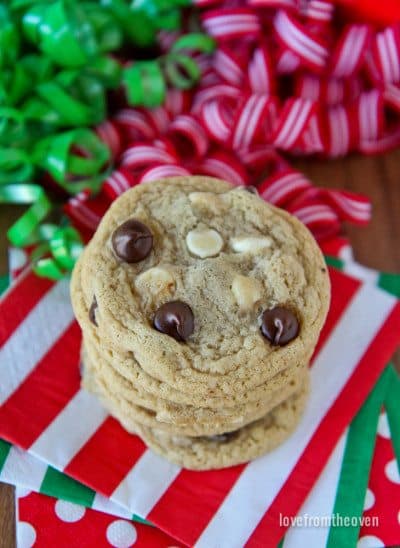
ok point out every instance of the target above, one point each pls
(134, 124)
(370, 115)
(252, 117)
(140, 155)
(218, 92)
(387, 142)
(294, 118)
(386, 52)
(287, 62)
(350, 207)
(109, 134)
(312, 138)
(223, 166)
(190, 129)
(331, 91)
(177, 101)
(118, 182)
(298, 39)
(350, 50)
(229, 23)
(339, 131)
(162, 172)
(260, 72)
(279, 189)
(317, 10)
(77, 209)
(319, 218)
(216, 120)
(391, 95)
(284, 4)
(227, 66)
(262, 157)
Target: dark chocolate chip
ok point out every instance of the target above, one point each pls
(92, 311)
(175, 319)
(252, 189)
(132, 241)
(323, 269)
(279, 325)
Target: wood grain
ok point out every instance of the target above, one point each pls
(376, 245)
(7, 516)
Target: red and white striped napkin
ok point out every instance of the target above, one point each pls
(42, 408)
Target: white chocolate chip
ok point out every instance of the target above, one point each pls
(156, 280)
(204, 242)
(247, 291)
(209, 200)
(250, 244)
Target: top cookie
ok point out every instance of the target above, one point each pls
(207, 285)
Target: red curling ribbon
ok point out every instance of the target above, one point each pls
(134, 125)
(118, 182)
(339, 132)
(350, 50)
(260, 72)
(391, 96)
(256, 115)
(162, 172)
(217, 120)
(109, 134)
(223, 166)
(294, 118)
(228, 66)
(81, 213)
(370, 115)
(285, 76)
(386, 54)
(231, 23)
(296, 37)
(281, 188)
(139, 155)
(188, 128)
(317, 11)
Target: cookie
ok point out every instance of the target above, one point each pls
(226, 449)
(137, 407)
(204, 285)
(126, 366)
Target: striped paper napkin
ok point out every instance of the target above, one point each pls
(42, 408)
(341, 490)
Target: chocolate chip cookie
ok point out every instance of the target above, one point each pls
(205, 284)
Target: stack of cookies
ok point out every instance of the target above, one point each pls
(200, 306)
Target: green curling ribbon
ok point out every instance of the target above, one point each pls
(107, 70)
(58, 255)
(15, 165)
(77, 98)
(25, 231)
(145, 84)
(195, 41)
(181, 71)
(9, 38)
(13, 131)
(109, 35)
(55, 73)
(36, 110)
(62, 31)
(136, 24)
(155, 8)
(72, 171)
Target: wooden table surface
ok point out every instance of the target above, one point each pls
(376, 245)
